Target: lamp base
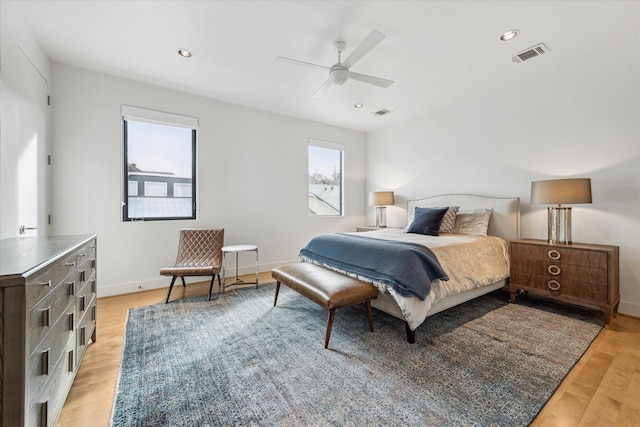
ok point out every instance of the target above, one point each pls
(381, 216)
(559, 225)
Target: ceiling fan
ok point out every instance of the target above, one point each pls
(339, 73)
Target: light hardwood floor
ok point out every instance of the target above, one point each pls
(603, 389)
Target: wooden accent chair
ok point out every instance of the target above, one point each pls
(199, 254)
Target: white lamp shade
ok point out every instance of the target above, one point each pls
(561, 191)
(381, 198)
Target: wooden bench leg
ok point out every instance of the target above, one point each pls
(369, 315)
(332, 312)
(275, 300)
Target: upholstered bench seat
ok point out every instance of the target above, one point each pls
(327, 288)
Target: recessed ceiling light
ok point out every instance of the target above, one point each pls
(509, 35)
(185, 53)
(359, 105)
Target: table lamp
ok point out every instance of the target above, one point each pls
(560, 191)
(380, 199)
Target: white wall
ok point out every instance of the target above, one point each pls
(24, 131)
(579, 118)
(252, 177)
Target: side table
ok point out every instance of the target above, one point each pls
(581, 273)
(237, 249)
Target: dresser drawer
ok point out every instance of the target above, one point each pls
(47, 402)
(46, 313)
(85, 295)
(46, 355)
(40, 284)
(85, 329)
(86, 253)
(86, 270)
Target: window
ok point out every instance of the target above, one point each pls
(325, 178)
(159, 165)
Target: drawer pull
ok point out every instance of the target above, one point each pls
(93, 313)
(71, 322)
(72, 288)
(47, 283)
(44, 414)
(81, 305)
(71, 361)
(554, 270)
(83, 336)
(82, 275)
(44, 361)
(46, 316)
(553, 254)
(553, 285)
(82, 255)
(70, 264)
(94, 287)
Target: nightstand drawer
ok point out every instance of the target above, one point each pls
(559, 271)
(564, 255)
(562, 287)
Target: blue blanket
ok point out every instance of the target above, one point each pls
(408, 268)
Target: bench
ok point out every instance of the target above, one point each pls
(325, 287)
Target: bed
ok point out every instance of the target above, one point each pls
(469, 276)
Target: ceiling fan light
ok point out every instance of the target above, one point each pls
(338, 77)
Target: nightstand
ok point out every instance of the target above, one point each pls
(579, 273)
(367, 228)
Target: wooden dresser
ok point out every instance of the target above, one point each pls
(579, 273)
(47, 319)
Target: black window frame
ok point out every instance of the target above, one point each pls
(125, 205)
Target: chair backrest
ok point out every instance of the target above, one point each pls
(200, 247)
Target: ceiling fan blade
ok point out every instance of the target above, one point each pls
(304, 64)
(370, 79)
(320, 91)
(364, 47)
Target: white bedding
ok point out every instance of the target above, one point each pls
(469, 261)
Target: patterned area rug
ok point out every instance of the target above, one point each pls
(240, 361)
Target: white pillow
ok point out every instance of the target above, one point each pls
(474, 222)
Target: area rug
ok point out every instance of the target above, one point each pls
(240, 361)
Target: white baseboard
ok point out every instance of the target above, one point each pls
(163, 282)
(629, 309)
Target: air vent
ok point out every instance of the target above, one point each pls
(532, 52)
(382, 112)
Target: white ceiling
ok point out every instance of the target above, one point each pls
(439, 53)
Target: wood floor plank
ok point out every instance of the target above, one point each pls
(602, 390)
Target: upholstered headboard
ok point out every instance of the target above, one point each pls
(505, 218)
